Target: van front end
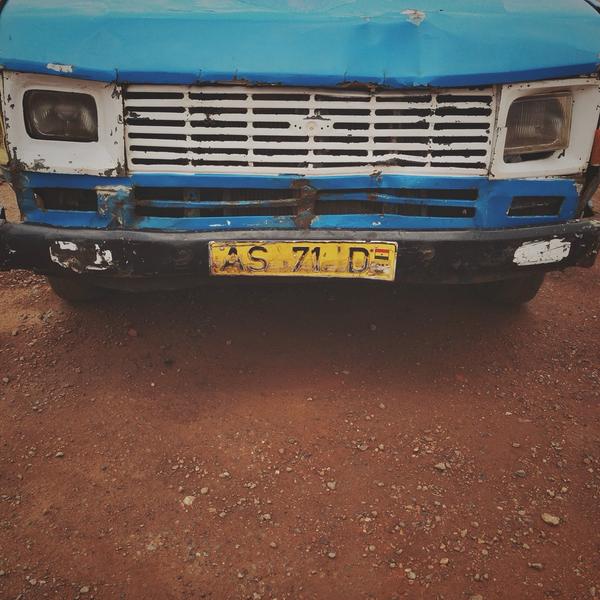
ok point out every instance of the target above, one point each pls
(164, 176)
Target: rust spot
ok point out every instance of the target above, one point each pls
(305, 207)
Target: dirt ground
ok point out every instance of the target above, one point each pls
(330, 442)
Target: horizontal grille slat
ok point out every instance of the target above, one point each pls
(300, 130)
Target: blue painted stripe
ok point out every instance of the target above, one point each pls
(492, 203)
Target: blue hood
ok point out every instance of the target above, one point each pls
(303, 42)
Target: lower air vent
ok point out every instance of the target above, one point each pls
(252, 202)
(535, 206)
(66, 199)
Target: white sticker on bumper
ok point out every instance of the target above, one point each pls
(542, 253)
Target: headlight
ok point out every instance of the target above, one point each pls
(539, 124)
(66, 116)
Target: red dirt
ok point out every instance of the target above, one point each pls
(113, 414)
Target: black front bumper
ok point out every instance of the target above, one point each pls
(423, 256)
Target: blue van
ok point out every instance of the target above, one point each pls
(168, 143)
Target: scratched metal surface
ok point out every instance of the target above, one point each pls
(303, 42)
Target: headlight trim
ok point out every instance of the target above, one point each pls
(573, 160)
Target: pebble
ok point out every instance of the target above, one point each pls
(59, 455)
(411, 575)
(441, 466)
(5, 380)
(265, 517)
(189, 500)
(84, 590)
(536, 566)
(444, 561)
(331, 554)
(204, 491)
(331, 485)
(520, 473)
(550, 519)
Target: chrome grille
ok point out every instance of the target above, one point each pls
(306, 130)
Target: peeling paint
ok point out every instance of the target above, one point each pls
(80, 259)
(542, 252)
(416, 17)
(59, 68)
(67, 246)
(103, 260)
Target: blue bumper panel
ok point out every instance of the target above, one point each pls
(386, 202)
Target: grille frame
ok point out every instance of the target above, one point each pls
(304, 131)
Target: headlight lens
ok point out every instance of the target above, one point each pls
(66, 116)
(539, 124)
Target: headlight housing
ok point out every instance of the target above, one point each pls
(58, 115)
(538, 124)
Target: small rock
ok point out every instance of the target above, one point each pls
(84, 590)
(441, 466)
(131, 332)
(204, 491)
(59, 455)
(331, 485)
(363, 447)
(550, 519)
(273, 545)
(189, 500)
(5, 380)
(411, 575)
(444, 561)
(265, 517)
(520, 473)
(536, 566)
(331, 554)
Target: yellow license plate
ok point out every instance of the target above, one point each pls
(361, 260)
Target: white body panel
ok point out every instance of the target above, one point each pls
(305, 131)
(104, 157)
(572, 161)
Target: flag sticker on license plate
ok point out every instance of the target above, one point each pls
(360, 260)
(382, 254)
